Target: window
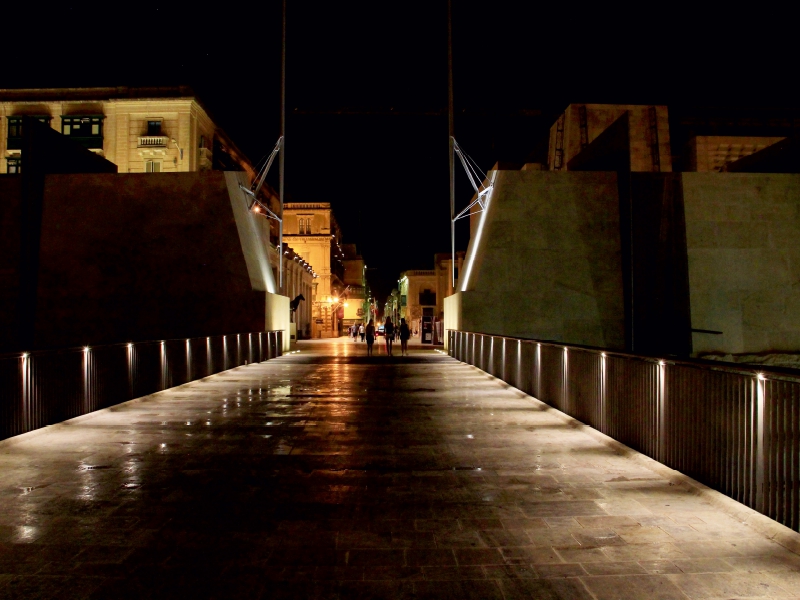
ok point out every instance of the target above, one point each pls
(308, 225)
(86, 130)
(14, 165)
(14, 127)
(15, 130)
(427, 297)
(154, 128)
(302, 224)
(152, 166)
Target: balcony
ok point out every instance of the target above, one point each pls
(153, 141)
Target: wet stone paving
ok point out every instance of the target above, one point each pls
(327, 474)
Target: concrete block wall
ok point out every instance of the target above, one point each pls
(548, 263)
(743, 241)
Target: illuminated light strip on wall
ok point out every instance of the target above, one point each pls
(478, 234)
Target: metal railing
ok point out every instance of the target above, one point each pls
(43, 388)
(736, 430)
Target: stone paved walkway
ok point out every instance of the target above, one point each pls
(325, 474)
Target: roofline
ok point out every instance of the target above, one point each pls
(96, 93)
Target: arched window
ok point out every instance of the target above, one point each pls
(302, 223)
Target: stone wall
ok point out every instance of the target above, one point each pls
(136, 257)
(743, 239)
(548, 262)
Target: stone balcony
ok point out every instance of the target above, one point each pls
(153, 141)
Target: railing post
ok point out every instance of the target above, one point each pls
(662, 412)
(565, 383)
(603, 404)
(761, 491)
(25, 373)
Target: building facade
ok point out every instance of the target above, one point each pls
(582, 124)
(356, 309)
(298, 278)
(310, 228)
(422, 292)
(141, 130)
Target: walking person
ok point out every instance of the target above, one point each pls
(405, 333)
(370, 333)
(354, 332)
(361, 331)
(388, 333)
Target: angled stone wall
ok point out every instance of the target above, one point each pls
(548, 262)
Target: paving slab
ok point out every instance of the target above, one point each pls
(329, 474)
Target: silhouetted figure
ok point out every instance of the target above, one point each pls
(405, 333)
(370, 333)
(294, 304)
(388, 333)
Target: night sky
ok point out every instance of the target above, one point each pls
(367, 86)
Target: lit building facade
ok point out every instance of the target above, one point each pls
(310, 228)
(422, 292)
(158, 130)
(356, 309)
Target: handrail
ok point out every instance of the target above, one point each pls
(734, 429)
(49, 386)
(784, 373)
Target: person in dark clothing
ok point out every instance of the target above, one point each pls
(388, 333)
(370, 333)
(405, 333)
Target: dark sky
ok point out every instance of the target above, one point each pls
(367, 93)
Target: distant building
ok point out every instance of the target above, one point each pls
(298, 278)
(707, 153)
(581, 124)
(356, 311)
(422, 292)
(707, 139)
(154, 130)
(311, 229)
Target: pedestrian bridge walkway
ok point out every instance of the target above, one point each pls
(327, 474)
